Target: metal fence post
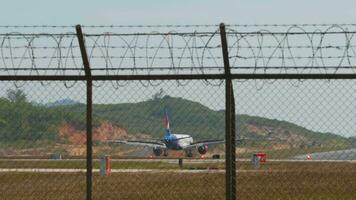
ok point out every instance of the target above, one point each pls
(89, 136)
(229, 122)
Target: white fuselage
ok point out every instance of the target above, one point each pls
(183, 140)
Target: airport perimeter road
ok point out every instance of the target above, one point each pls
(176, 160)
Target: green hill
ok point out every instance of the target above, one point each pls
(186, 117)
(23, 121)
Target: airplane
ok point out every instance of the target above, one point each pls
(173, 142)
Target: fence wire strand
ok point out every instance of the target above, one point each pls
(295, 137)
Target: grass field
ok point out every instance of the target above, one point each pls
(117, 164)
(275, 180)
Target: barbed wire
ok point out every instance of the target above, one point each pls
(295, 50)
(325, 54)
(176, 25)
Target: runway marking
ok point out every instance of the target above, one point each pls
(39, 170)
(175, 160)
(208, 171)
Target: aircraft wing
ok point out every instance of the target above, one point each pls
(208, 143)
(146, 143)
(211, 143)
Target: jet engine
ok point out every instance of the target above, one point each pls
(157, 151)
(203, 149)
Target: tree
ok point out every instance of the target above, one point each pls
(16, 96)
(158, 95)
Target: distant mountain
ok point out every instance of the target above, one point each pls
(61, 102)
(189, 117)
(26, 121)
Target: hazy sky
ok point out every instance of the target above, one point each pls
(68, 12)
(319, 106)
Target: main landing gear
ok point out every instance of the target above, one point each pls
(189, 153)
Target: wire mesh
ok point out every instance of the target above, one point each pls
(43, 153)
(136, 113)
(295, 138)
(306, 130)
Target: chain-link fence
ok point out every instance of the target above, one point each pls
(42, 141)
(305, 128)
(125, 112)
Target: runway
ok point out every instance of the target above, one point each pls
(341, 155)
(179, 171)
(39, 170)
(188, 161)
